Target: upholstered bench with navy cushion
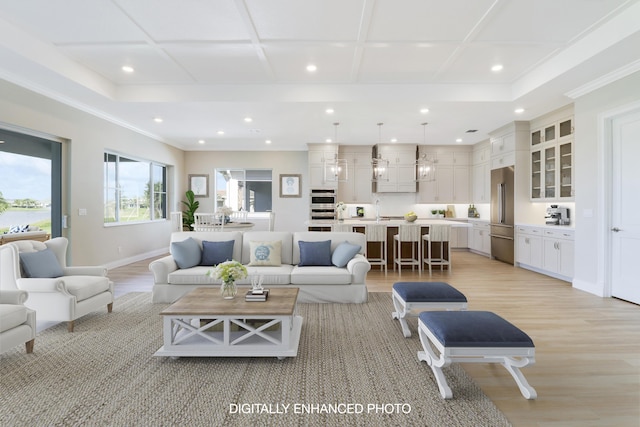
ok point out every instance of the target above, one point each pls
(411, 297)
(476, 337)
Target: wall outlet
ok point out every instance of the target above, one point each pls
(82, 212)
(119, 249)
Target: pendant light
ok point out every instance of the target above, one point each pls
(425, 168)
(379, 166)
(335, 170)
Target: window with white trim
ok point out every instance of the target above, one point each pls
(134, 190)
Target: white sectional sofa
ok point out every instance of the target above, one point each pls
(318, 284)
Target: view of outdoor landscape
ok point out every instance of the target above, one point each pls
(25, 191)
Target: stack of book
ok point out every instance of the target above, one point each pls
(257, 296)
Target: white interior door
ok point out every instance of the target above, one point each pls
(625, 209)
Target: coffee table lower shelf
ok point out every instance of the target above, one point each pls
(231, 336)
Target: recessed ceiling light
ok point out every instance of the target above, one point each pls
(394, 139)
(220, 132)
(1, 142)
(328, 140)
(127, 69)
(267, 141)
(459, 140)
(248, 119)
(329, 111)
(157, 119)
(201, 141)
(311, 68)
(424, 110)
(519, 110)
(497, 67)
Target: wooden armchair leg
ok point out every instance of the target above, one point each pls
(29, 345)
(70, 326)
(109, 307)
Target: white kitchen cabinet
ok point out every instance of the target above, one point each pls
(453, 176)
(552, 161)
(558, 252)
(481, 174)
(402, 168)
(529, 246)
(481, 191)
(479, 237)
(357, 188)
(459, 238)
(317, 155)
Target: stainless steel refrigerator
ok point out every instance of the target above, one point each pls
(502, 206)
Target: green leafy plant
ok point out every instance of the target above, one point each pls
(192, 206)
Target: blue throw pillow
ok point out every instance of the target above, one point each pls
(40, 264)
(343, 253)
(213, 253)
(315, 253)
(187, 253)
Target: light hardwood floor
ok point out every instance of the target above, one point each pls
(587, 370)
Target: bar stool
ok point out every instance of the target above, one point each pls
(377, 233)
(437, 234)
(341, 227)
(407, 233)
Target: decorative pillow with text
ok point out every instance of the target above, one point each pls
(266, 253)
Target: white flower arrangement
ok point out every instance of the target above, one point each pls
(225, 210)
(341, 207)
(229, 271)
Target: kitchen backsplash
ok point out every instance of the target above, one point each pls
(396, 206)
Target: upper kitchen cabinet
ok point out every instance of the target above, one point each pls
(551, 159)
(319, 154)
(481, 173)
(506, 142)
(402, 168)
(453, 175)
(357, 188)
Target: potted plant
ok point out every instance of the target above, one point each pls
(191, 207)
(434, 212)
(441, 212)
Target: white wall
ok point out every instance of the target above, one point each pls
(591, 172)
(291, 213)
(88, 136)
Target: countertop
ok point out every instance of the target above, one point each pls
(453, 222)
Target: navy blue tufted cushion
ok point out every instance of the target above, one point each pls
(428, 292)
(473, 329)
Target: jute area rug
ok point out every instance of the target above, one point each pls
(354, 368)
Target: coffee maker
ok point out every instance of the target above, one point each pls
(557, 216)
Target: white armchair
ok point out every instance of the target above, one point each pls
(56, 292)
(17, 322)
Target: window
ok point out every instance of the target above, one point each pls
(134, 190)
(30, 182)
(243, 189)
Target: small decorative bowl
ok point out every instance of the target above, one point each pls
(410, 218)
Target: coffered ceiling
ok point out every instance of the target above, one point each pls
(203, 66)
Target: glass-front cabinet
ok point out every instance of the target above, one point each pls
(552, 161)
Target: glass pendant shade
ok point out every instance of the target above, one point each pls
(425, 169)
(380, 169)
(336, 170)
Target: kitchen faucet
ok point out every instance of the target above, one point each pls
(377, 210)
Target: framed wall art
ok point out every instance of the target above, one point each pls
(199, 184)
(290, 185)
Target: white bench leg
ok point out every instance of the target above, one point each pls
(401, 314)
(513, 366)
(436, 364)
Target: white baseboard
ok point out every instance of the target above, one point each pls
(139, 257)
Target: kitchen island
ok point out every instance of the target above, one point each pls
(458, 233)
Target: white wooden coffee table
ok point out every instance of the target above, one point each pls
(202, 324)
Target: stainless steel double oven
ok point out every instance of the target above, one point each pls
(323, 204)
